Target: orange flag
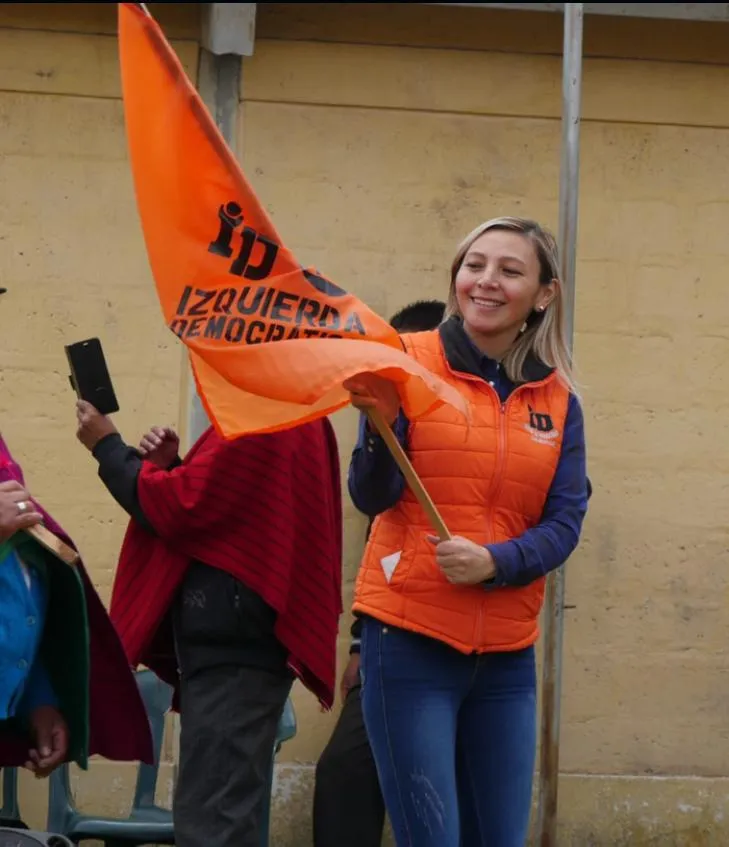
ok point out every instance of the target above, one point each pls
(270, 342)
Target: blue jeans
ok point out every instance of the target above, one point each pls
(453, 736)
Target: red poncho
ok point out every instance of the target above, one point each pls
(264, 508)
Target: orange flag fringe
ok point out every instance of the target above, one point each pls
(270, 342)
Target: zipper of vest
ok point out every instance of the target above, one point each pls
(500, 462)
(495, 490)
(498, 471)
(501, 444)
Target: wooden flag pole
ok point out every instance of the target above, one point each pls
(53, 544)
(412, 479)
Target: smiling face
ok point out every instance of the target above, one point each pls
(497, 288)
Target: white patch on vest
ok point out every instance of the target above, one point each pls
(389, 563)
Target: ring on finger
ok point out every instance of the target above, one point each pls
(22, 507)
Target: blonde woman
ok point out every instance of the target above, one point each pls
(448, 667)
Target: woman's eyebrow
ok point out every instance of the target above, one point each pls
(475, 254)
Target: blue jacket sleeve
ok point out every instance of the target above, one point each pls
(549, 544)
(375, 482)
(38, 690)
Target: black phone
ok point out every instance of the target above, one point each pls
(89, 375)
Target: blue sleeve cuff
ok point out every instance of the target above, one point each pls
(507, 557)
(107, 446)
(38, 691)
(371, 438)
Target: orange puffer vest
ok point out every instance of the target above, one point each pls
(489, 479)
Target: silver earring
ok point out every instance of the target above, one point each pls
(542, 308)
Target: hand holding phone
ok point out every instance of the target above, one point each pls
(89, 375)
(92, 425)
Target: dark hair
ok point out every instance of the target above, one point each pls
(419, 316)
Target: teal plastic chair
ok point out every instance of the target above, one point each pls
(10, 811)
(147, 823)
(286, 731)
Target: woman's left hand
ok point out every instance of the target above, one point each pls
(92, 425)
(463, 562)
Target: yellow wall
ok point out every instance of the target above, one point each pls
(377, 135)
(73, 260)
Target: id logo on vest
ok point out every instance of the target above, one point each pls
(541, 428)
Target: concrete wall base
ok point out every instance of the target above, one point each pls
(595, 811)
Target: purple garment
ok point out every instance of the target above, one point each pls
(119, 727)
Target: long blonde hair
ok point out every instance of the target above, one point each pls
(543, 336)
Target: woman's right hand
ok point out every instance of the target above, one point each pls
(160, 446)
(17, 510)
(370, 391)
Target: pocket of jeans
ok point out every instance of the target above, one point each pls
(403, 655)
(362, 648)
(370, 648)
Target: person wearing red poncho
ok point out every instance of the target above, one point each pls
(228, 587)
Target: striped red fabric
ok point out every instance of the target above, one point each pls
(266, 509)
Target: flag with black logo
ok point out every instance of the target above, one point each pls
(270, 342)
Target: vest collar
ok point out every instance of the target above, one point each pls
(463, 355)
